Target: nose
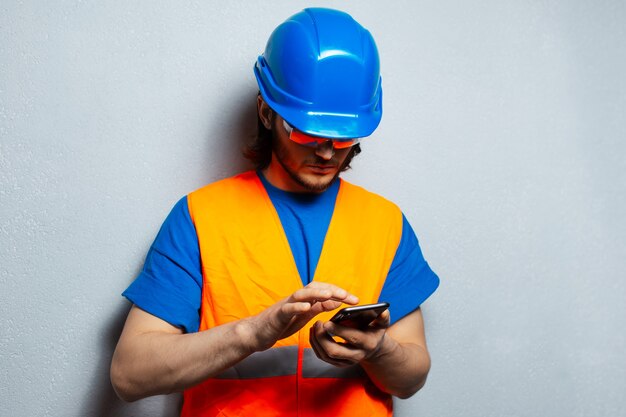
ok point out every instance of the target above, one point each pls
(325, 150)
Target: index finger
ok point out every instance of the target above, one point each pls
(321, 291)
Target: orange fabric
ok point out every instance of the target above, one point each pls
(247, 266)
(251, 397)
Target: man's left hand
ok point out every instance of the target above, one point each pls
(358, 345)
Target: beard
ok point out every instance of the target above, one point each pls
(283, 157)
(312, 186)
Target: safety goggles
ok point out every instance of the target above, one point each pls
(313, 141)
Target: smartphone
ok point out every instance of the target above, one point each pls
(359, 316)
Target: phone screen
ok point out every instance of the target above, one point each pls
(359, 316)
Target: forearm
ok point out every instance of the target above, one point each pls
(399, 369)
(159, 363)
(154, 357)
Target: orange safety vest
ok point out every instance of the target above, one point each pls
(247, 266)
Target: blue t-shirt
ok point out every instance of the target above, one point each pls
(170, 284)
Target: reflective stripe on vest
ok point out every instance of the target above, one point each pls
(313, 367)
(247, 266)
(283, 361)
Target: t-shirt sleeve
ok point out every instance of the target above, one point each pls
(170, 283)
(410, 280)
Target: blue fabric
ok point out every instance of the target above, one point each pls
(410, 280)
(170, 284)
(305, 217)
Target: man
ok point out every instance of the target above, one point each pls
(233, 304)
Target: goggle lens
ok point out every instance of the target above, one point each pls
(313, 141)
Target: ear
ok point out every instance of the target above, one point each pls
(266, 114)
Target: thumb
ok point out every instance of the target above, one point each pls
(383, 320)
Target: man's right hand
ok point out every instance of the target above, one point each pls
(148, 359)
(290, 314)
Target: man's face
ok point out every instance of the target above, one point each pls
(301, 168)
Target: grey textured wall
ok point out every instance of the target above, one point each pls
(502, 140)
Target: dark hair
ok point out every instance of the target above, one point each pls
(260, 150)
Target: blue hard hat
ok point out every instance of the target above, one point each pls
(320, 71)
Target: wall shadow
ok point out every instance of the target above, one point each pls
(102, 400)
(237, 128)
